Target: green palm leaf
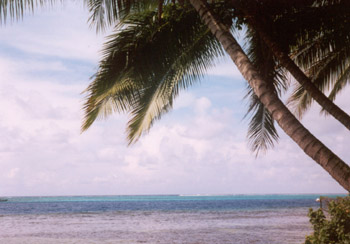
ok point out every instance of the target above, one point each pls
(105, 13)
(15, 9)
(327, 66)
(155, 77)
(320, 45)
(261, 130)
(340, 83)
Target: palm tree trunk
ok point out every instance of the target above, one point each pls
(337, 168)
(299, 75)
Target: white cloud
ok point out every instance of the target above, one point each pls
(202, 105)
(225, 67)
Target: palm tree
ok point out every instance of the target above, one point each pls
(324, 54)
(133, 78)
(255, 16)
(338, 169)
(292, 27)
(262, 132)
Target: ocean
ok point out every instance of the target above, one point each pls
(165, 219)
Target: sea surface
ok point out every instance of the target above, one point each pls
(165, 219)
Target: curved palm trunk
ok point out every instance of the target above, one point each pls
(337, 168)
(299, 75)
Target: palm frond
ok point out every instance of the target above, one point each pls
(114, 80)
(299, 101)
(261, 131)
(156, 101)
(156, 60)
(326, 66)
(119, 98)
(340, 83)
(320, 45)
(15, 9)
(105, 13)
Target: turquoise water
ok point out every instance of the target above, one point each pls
(165, 198)
(167, 219)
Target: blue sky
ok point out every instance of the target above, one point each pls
(200, 147)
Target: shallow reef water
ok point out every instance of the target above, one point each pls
(156, 219)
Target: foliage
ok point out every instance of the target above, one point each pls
(281, 17)
(146, 63)
(332, 230)
(320, 47)
(15, 9)
(261, 131)
(316, 35)
(105, 13)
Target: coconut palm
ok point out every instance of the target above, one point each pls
(338, 169)
(318, 40)
(134, 78)
(147, 81)
(262, 132)
(324, 55)
(292, 27)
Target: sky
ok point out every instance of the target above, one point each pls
(200, 147)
